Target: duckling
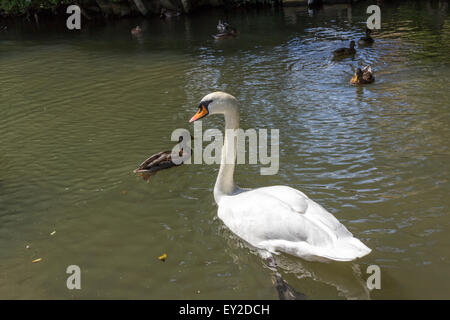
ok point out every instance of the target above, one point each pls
(225, 31)
(167, 13)
(342, 52)
(136, 31)
(363, 76)
(159, 161)
(367, 39)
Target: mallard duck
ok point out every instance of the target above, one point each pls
(159, 161)
(367, 39)
(225, 31)
(223, 26)
(167, 13)
(363, 76)
(342, 52)
(135, 31)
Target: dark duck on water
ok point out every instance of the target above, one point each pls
(159, 161)
(363, 76)
(367, 40)
(136, 31)
(225, 31)
(343, 52)
(167, 13)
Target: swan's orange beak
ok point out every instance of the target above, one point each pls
(202, 112)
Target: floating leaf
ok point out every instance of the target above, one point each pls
(53, 232)
(37, 260)
(162, 257)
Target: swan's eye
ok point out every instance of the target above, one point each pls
(205, 104)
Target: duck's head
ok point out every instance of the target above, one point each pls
(137, 29)
(352, 44)
(215, 103)
(358, 75)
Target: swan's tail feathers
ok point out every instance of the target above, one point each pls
(348, 249)
(343, 249)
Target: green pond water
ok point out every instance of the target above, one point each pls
(80, 110)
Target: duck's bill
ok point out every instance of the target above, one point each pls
(202, 112)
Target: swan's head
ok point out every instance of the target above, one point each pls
(215, 103)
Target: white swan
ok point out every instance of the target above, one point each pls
(277, 218)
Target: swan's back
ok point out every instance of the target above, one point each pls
(281, 218)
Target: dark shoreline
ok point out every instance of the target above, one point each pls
(102, 9)
(116, 9)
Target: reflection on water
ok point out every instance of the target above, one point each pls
(79, 111)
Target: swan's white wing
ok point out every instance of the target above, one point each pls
(282, 218)
(314, 212)
(257, 216)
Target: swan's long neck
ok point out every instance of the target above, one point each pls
(225, 183)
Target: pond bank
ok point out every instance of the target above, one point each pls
(127, 8)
